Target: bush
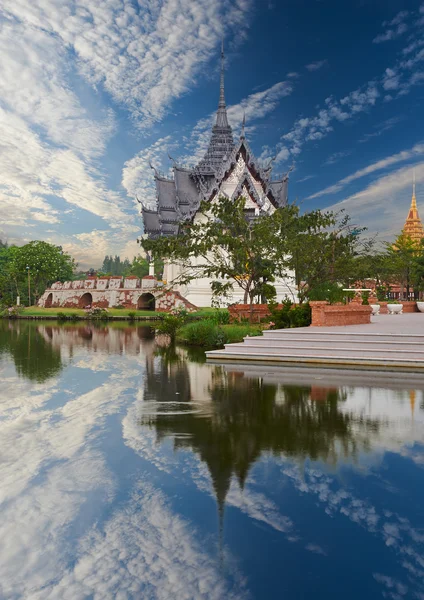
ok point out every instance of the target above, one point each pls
(203, 333)
(97, 313)
(208, 334)
(290, 315)
(327, 290)
(170, 323)
(61, 316)
(12, 312)
(132, 315)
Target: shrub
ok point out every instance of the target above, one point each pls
(12, 312)
(203, 333)
(97, 313)
(327, 290)
(170, 323)
(290, 315)
(208, 334)
(61, 316)
(132, 315)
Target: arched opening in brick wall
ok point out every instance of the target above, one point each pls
(49, 301)
(86, 300)
(146, 302)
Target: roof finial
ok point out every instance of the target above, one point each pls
(243, 126)
(221, 85)
(221, 117)
(413, 184)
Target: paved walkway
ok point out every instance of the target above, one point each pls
(408, 323)
(391, 342)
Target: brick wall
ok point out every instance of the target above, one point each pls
(330, 315)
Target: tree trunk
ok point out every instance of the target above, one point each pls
(246, 296)
(251, 310)
(407, 284)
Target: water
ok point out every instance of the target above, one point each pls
(131, 470)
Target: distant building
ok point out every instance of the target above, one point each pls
(228, 169)
(413, 227)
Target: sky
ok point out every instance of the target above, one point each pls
(91, 92)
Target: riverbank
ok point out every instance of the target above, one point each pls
(35, 312)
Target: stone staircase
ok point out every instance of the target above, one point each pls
(339, 347)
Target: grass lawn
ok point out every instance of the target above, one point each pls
(36, 311)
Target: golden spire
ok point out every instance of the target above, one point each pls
(413, 227)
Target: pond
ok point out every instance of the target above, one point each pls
(134, 470)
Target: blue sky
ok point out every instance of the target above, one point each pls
(90, 92)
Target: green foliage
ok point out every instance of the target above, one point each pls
(40, 262)
(233, 250)
(62, 316)
(290, 315)
(12, 312)
(170, 323)
(331, 292)
(131, 315)
(203, 333)
(112, 265)
(365, 299)
(97, 314)
(382, 292)
(208, 334)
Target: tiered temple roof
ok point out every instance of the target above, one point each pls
(413, 227)
(227, 168)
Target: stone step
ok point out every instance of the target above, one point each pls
(310, 334)
(335, 352)
(320, 360)
(328, 342)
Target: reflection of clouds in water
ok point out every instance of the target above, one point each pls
(395, 530)
(250, 502)
(54, 476)
(34, 526)
(143, 551)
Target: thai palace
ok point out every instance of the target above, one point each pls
(229, 168)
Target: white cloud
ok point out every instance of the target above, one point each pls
(336, 156)
(398, 80)
(306, 178)
(144, 56)
(137, 176)
(398, 25)
(389, 161)
(53, 138)
(316, 66)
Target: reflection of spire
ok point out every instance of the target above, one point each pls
(412, 396)
(221, 485)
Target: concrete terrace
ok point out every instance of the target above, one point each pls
(390, 342)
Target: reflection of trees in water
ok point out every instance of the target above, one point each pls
(244, 418)
(33, 355)
(37, 348)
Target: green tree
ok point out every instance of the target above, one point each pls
(231, 248)
(402, 256)
(45, 263)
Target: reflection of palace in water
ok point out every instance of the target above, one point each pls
(231, 418)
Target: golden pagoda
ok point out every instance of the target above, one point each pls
(413, 227)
